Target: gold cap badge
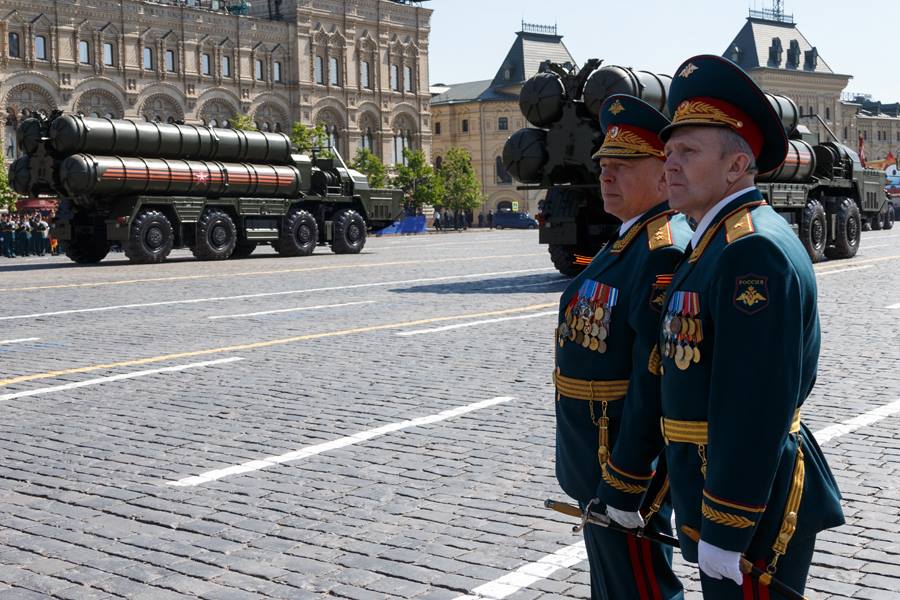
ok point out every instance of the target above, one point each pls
(687, 70)
(616, 107)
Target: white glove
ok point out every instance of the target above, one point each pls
(718, 563)
(627, 519)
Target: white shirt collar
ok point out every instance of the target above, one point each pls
(627, 224)
(711, 214)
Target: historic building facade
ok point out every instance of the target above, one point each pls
(360, 67)
(480, 116)
(778, 56)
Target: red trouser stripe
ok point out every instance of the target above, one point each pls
(747, 587)
(763, 589)
(648, 569)
(636, 568)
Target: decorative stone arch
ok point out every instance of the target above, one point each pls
(367, 52)
(218, 93)
(226, 48)
(329, 47)
(269, 116)
(504, 200)
(217, 111)
(279, 54)
(13, 23)
(109, 34)
(206, 45)
(370, 135)
(335, 127)
(99, 102)
(405, 134)
(28, 97)
(161, 107)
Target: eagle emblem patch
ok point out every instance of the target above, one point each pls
(658, 291)
(751, 293)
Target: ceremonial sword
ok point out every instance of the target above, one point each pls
(589, 517)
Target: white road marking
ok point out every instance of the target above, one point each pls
(18, 341)
(823, 436)
(306, 452)
(527, 574)
(287, 310)
(868, 247)
(120, 377)
(269, 294)
(821, 273)
(474, 323)
(507, 287)
(893, 306)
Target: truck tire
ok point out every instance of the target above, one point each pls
(814, 230)
(888, 222)
(563, 258)
(876, 221)
(243, 249)
(349, 232)
(300, 234)
(216, 236)
(847, 231)
(86, 251)
(150, 238)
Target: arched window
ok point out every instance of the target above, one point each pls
(276, 71)
(13, 45)
(170, 61)
(84, 52)
(503, 124)
(148, 58)
(364, 79)
(334, 76)
(40, 47)
(395, 78)
(205, 65)
(333, 138)
(258, 69)
(226, 66)
(109, 58)
(827, 113)
(502, 175)
(319, 70)
(407, 79)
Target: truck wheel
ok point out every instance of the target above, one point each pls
(243, 249)
(847, 231)
(563, 258)
(216, 236)
(349, 232)
(150, 238)
(814, 230)
(86, 251)
(888, 222)
(876, 221)
(300, 234)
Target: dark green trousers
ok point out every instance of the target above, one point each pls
(624, 567)
(793, 569)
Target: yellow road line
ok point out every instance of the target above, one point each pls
(265, 344)
(270, 272)
(851, 263)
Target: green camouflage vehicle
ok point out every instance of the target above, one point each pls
(220, 192)
(822, 190)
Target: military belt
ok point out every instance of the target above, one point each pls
(697, 432)
(585, 389)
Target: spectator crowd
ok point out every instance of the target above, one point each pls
(25, 234)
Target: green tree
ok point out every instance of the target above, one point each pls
(418, 179)
(368, 163)
(242, 122)
(7, 196)
(461, 185)
(305, 138)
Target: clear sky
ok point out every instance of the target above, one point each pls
(470, 38)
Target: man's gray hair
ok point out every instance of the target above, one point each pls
(732, 143)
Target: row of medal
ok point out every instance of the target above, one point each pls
(682, 329)
(588, 315)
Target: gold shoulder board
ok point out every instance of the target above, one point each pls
(659, 235)
(738, 225)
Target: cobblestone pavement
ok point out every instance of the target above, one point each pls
(373, 426)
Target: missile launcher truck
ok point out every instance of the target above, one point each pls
(822, 190)
(220, 192)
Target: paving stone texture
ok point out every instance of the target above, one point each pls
(430, 511)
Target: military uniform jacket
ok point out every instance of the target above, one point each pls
(622, 279)
(740, 344)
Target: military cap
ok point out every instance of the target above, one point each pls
(631, 128)
(711, 90)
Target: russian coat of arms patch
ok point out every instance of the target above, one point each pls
(751, 293)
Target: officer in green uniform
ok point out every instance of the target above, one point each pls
(740, 344)
(606, 370)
